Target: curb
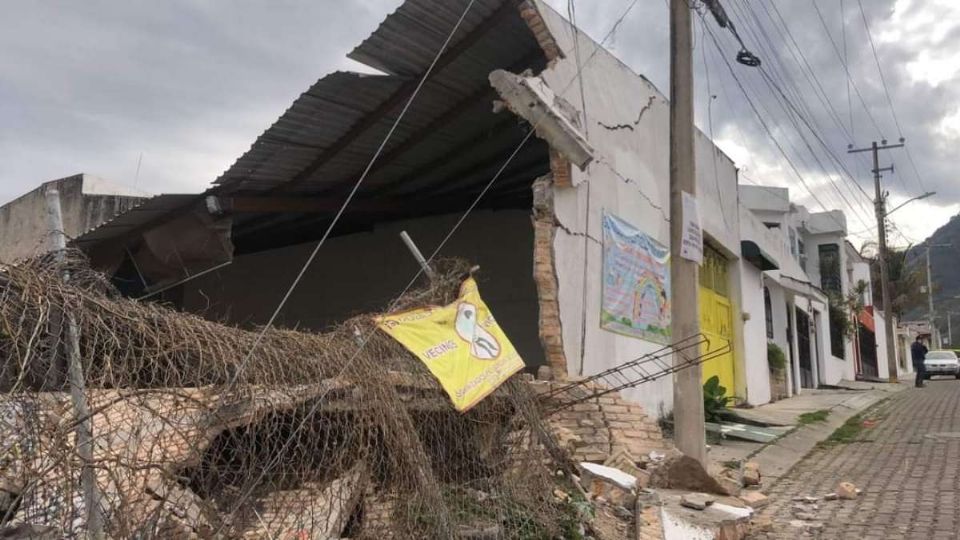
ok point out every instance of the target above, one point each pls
(779, 457)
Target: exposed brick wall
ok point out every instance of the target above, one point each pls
(545, 276)
(531, 15)
(595, 429)
(561, 169)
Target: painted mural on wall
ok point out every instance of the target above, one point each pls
(636, 283)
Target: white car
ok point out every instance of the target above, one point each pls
(941, 363)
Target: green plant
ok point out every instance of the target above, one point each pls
(812, 417)
(715, 399)
(847, 433)
(775, 358)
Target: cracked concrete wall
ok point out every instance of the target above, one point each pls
(626, 123)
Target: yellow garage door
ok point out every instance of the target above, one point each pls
(716, 317)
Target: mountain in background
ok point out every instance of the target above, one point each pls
(945, 272)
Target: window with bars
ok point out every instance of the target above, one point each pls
(830, 280)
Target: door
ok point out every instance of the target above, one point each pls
(716, 318)
(803, 350)
(868, 352)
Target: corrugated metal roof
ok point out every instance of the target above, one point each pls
(447, 140)
(139, 216)
(409, 38)
(314, 122)
(331, 132)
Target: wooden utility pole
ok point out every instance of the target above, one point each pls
(931, 314)
(75, 380)
(880, 206)
(689, 432)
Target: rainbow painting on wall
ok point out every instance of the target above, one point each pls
(636, 283)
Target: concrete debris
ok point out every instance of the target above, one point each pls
(806, 499)
(754, 499)
(696, 501)
(622, 459)
(715, 521)
(311, 511)
(678, 471)
(751, 474)
(831, 497)
(544, 373)
(761, 524)
(847, 491)
(730, 481)
(609, 484)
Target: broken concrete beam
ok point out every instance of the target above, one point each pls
(553, 118)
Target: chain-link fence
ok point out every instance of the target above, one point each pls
(339, 434)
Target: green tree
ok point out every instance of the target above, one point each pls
(905, 281)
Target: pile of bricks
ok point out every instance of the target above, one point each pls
(596, 429)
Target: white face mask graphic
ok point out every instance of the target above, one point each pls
(483, 345)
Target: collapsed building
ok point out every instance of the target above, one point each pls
(537, 232)
(200, 434)
(546, 151)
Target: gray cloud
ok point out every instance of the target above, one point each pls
(89, 86)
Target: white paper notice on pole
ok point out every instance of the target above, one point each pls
(691, 245)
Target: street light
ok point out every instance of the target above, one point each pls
(917, 198)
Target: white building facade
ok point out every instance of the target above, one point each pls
(816, 306)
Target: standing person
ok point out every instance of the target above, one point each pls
(918, 352)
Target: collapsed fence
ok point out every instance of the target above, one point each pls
(311, 438)
(197, 433)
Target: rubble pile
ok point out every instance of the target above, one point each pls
(200, 434)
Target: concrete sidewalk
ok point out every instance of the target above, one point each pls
(777, 458)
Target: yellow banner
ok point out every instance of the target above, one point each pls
(461, 344)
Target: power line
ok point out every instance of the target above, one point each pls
(769, 79)
(353, 192)
(886, 91)
(846, 69)
(809, 74)
(797, 51)
(432, 256)
(766, 127)
(876, 58)
(736, 126)
(846, 59)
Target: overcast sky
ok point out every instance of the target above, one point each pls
(91, 86)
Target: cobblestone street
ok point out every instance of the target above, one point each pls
(906, 464)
